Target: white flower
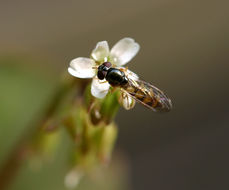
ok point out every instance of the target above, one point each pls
(120, 54)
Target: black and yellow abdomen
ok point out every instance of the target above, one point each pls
(148, 95)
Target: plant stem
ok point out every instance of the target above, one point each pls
(19, 153)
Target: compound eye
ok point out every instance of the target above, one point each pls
(100, 68)
(107, 64)
(101, 75)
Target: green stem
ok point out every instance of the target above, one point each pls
(19, 152)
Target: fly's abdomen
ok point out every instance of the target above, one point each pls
(152, 98)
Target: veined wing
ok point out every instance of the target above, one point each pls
(148, 95)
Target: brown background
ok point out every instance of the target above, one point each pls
(184, 51)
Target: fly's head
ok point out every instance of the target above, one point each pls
(103, 69)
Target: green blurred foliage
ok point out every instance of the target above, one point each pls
(24, 92)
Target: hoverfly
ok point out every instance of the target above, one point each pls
(141, 91)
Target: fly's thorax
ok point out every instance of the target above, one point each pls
(115, 77)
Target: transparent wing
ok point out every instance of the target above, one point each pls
(148, 95)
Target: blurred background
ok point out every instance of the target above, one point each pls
(184, 51)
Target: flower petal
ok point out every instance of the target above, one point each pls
(126, 101)
(101, 51)
(82, 67)
(99, 88)
(123, 51)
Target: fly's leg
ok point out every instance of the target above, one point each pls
(103, 82)
(95, 67)
(125, 96)
(125, 69)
